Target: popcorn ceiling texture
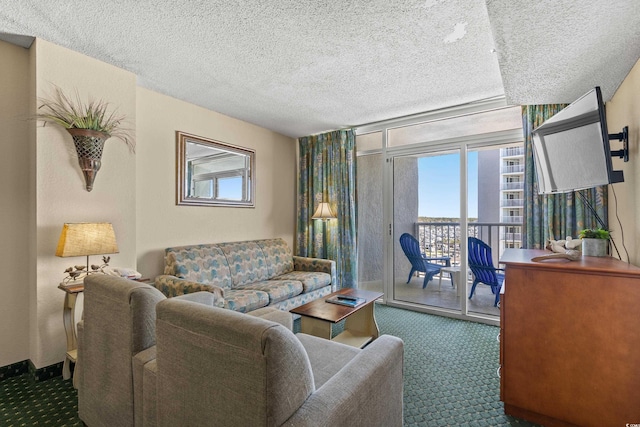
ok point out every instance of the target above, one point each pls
(553, 51)
(306, 66)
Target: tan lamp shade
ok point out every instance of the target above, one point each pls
(87, 238)
(324, 212)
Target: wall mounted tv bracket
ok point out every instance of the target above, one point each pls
(624, 137)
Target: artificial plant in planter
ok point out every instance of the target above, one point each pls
(90, 125)
(595, 241)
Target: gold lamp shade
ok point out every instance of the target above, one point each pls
(87, 238)
(324, 212)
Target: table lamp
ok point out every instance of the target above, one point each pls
(85, 239)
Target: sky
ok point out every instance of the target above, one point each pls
(439, 185)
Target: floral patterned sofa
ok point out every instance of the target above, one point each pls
(249, 275)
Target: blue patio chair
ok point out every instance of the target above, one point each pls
(420, 262)
(481, 265)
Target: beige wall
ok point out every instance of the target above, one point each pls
(15, 206)
(161, 223)
(624, 110)
(43, 188)
(60, 190)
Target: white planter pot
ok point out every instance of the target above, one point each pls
(595, 247)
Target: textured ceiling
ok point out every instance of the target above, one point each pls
(306, 66)
(553, 51)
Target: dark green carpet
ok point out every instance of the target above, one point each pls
(450, 378)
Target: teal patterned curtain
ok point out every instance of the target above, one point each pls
(553, 216)
(328, 173)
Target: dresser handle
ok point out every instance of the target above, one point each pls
(498, 371)
(498, 337)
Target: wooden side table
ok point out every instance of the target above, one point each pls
(71, 289)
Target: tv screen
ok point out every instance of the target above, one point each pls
(571, 149)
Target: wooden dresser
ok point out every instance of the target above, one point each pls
(570, 340)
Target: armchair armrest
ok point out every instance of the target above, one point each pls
(347, 398)
(172, 286)
(317, 264)
(202, 297)
(446, 259)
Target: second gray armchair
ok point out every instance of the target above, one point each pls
(218, 367)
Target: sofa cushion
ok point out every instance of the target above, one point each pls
(247, 263)
(277, 255)
(278, 290)
(198, 263)
(244, 300)
(311, 280)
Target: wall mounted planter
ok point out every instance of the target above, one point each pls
(89, 145)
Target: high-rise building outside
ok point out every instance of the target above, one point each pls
(511, 196)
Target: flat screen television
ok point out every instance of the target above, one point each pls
(571, 149)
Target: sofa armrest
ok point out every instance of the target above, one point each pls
(172, 286)
(317, 264)
(366, 391)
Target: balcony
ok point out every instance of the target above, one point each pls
(512, 152)
(511, 237)
(512, 220)
(512, 169)
(439, 239)
(511, 203)
(512, 185)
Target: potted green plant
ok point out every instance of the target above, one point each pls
(90, 125)
(595, 241)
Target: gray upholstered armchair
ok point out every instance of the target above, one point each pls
(223, 368)
(117, 349)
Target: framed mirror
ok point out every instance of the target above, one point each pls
(212, 173)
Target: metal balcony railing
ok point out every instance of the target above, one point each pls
(439, 239)
(513, 237)
(512, 219)
(511, 202)
(512, 185)
(513, 169)
(512, 152)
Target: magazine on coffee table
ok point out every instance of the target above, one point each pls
(347, 300)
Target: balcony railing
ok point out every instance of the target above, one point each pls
(512, 237)
(512, 151)
(511, 202)
(513, 169)
(512, 185)
(439, 239)
(512, 219)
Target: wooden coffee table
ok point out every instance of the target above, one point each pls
(360, 328)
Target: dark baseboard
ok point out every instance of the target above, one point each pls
(14, 370)
(27, 366)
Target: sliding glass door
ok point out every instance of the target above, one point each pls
(426, 185)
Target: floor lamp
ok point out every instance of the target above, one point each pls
(324, 213)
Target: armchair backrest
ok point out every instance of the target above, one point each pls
(481, 261)
(411, 249)
(119, 322)
(219, 367)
